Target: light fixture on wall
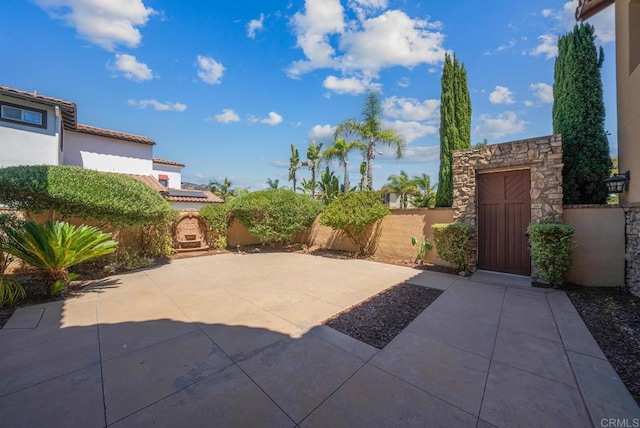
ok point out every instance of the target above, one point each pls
(617, 183)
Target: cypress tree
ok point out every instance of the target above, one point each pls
(455, 124)
(579, 114)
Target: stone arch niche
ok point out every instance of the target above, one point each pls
(542, 156)
(190, 233)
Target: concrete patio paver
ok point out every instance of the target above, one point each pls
(235, 340)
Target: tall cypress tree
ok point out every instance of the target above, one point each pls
(579, 114)
(455, 124)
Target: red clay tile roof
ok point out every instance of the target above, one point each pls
(151, 181)
(587, 8)
(67, 108)
(86, 129)
(210, 198)
(167, 162)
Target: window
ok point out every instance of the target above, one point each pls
(20, 114)
(163, 179)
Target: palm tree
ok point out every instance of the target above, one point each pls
(54, 248)
(223, 189)
(427, 197)
(294, 165)
(363, 175)
(314, 154)
(401, 185)
(370, 132)
(340, 151)
(329, 185)
(273, 184)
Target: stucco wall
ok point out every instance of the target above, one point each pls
(599, 252)
(173, 172)
(628, 93)
(393, 240)
(107, 154)
(29, 145)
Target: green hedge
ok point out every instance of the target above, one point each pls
(354, 214)
(218, 219)
(451, 243)
(275, 215)
(551, 246)
(74, 191)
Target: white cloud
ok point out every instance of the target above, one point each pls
(227, 116)
(157, 105)
(501, 95)
(410, 130)
(420, 154)
(131, 68)
(107, 23)
(360, 48)
(273, 119)
(603, 22)
(542, 91)
(322, 132)
(280, 164)
(391, 39)
(347, 85)
(404, 82)
(254, 26)
(528, 103)
(209, 70)
(410, 108)
(496, 126)
(548, 46)
(546, 12)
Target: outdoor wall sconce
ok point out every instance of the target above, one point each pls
(617, 183)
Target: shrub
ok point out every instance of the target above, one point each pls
(11, 292)
(275, 215)
(423, 245)
(218, 219)
(451, 243)
(8, 222)
(354, 214)
(551, 245)
(55, 247)
(74, 191)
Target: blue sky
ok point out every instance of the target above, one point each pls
(226, 87)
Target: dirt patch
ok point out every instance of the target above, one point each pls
(612, 315)
(382, 317)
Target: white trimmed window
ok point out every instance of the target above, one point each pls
(24, 115)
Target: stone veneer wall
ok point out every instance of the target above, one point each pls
(542, 156)
(632, 247)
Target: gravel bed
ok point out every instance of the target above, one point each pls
(612, 315)
(382, 317)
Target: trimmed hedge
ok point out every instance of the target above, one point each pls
(275, 215)
(451, 243)
(551, 245)
(354, 214)
(73, 191)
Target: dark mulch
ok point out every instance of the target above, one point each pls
(612, 314)
(379, 319)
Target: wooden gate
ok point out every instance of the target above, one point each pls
(504, 212)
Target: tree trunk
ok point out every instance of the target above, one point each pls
(313, 179)
(371, 154)
(347, 185)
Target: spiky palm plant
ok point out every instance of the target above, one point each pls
(56, 247)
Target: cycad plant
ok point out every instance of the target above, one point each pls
(54, 247)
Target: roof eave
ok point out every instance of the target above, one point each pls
(588, 8)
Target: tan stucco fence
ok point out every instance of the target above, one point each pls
(598, 254)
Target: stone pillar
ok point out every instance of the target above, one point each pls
(632, 248)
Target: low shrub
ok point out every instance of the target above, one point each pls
(8, 222)
(354, 214)
(551, 245)
(451, 241)
(218, 219)
(275, 215)
(11, 292)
